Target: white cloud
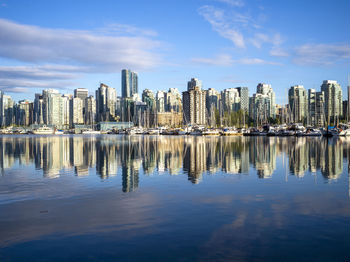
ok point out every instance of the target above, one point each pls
(89, 48)
(122, 29)
(227, 60)
(256, 61)
(275, 40)
(220, 60)
(22, 78)
(321, 54)
(222, 25)
(276, 51)
(14, 85)
(259, 39)
(238, 3)
(230, 25)
(39, 72)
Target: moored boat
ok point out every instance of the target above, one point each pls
(91, 132)
(210, 132)
(230, 132)
(44, 130)
(59, 132)
(153, 131)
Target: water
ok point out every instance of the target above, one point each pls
(149, 198)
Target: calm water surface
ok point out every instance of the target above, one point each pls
(149, 198)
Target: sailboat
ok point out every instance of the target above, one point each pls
(91, 131)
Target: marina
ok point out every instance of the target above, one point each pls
(282, 130)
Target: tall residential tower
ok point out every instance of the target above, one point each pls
(129, 83)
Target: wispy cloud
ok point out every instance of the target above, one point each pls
(238, 3)
(18, 90)
(279, 52)
(321, 54)
(259, 39)
(223, 25)
(231, 24)
(125, 30)
(39, 72)
(23, 78)
(219, 60)
(25, 85)
(256, 61)
(34, 44)
(227, 60)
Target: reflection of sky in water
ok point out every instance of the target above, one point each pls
(170, 198)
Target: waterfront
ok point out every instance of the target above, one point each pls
(174, 198)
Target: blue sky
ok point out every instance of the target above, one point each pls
(225, 43)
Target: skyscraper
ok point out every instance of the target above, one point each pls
(90, 110)
(38, 117)
(194, 82)
(148, 97)
(260, 108)
(81, 93)
(173, 102)
(160, 101)
(230, 99)
(311, 107)
(319, 113)
(76, 111)
(129, 83)
(262, 104)
(244, 98)
(333, 106)
(212, 105)
(7, 110)
(105, 103)
(150, 110)
(266, 89)
(194, 104)
(212, 100)
(297, 99)
(24, 113)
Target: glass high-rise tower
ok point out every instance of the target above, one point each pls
(129, 83)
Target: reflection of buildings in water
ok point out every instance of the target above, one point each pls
(234, 155)
(332, 164)
(55, 155)
(172, 148)
(83, 154)
(195, 155)
(106, 164)
(213, 157)
(194, 158)
(81, 170)
(263, 155)
(314, 149)
(130, 179)
(298, 156)
(7, 158)
(148, 151)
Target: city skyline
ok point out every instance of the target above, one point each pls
(197, 106)
(223, 43)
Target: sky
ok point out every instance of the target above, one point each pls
(225, 43)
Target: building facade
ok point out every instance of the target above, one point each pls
(333, 104)
(129, 83)
(297, 99)
(244, 98)
(194, 104)
(105, 103)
